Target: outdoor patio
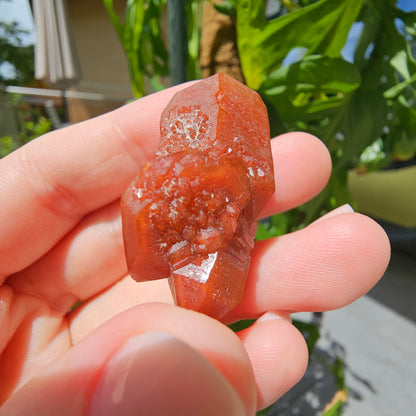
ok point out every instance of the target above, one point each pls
(375, 337)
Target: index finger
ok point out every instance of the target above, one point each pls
(47, 186)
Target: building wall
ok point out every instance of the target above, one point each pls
(102, 59)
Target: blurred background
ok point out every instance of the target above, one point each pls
(342, 70)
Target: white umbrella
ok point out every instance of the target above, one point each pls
(56, 61)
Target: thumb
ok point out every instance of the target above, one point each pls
(156, 374)
(150, 374)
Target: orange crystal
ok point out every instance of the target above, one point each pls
(191, 215)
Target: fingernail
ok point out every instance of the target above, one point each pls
(111, 394)
(157, 374)
(273, 315)
(343, 209)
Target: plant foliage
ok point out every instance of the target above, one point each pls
(363, 101)
(31, 123)
(140, 34)
(17, 55)
(342, 70)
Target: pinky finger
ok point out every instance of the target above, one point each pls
(278, 354)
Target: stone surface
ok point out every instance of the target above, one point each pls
(191, 214)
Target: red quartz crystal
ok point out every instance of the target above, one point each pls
(191, 215)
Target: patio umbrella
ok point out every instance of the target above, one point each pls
(56, 61)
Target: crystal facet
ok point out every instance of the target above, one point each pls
(190, 215)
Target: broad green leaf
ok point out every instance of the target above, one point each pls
(409, 20)
(362, 124)
(263, 45)
(314, 85)
(372, 22)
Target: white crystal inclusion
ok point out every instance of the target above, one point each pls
(199, 273)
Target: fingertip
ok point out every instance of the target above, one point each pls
(343, 209)
(378, 241)
(278, 354)
(302, 167)
(322, 267)
(156, 373)
(360, 248)
(197, 330)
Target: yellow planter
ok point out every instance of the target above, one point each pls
(388, 195)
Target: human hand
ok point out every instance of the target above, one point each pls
(126, 349)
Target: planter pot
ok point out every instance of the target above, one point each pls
(388, 195)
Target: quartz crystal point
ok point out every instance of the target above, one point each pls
(191, 214)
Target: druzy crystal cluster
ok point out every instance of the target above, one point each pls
(191, 214)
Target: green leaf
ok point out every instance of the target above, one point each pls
(263, 45)
(401, 140)
(7, 145)
(155, 84)
(193, 18)
(397, 89)
(337, 369)
(140, 35)
(362, 124)
(314, 85)
(405, 65)
(264, 232)
(241, 325)
(43, 126)
(400, 63)
(374, 157)
(409, 20)
(315, 208)
(372, 22)
(310, 331)
(115, 20)
(264, 412)
(227, 7)
(278, 224)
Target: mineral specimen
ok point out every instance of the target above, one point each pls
(191, 214)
